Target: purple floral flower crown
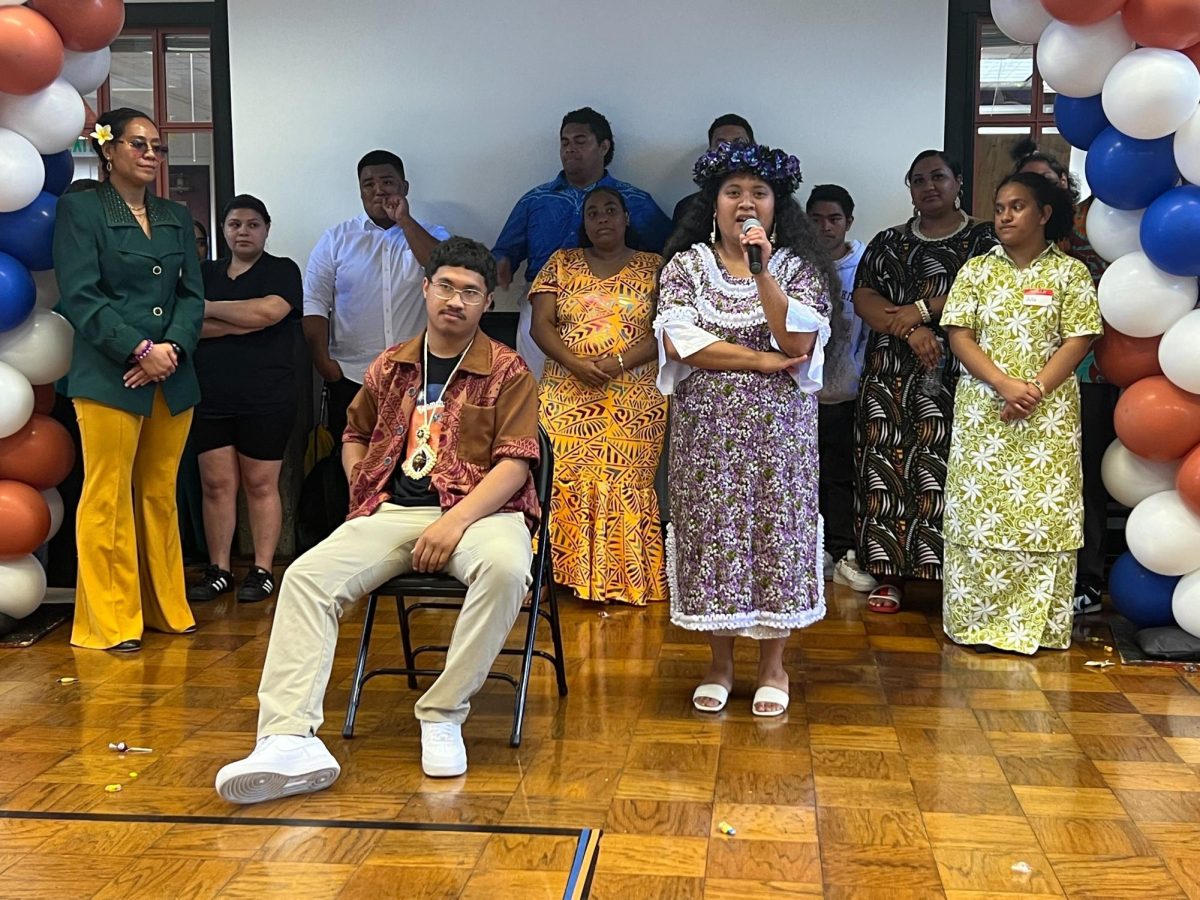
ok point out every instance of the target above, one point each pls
(778, 169)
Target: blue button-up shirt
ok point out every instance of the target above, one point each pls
(547, 218)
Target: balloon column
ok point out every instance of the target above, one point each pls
(1126, 73)
(51, 52)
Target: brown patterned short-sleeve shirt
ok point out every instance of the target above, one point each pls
(490, 414)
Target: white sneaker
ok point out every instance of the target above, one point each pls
(281, 765)
(848, 573)
(828, 565)
(443, 753)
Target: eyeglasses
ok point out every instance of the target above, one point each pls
(443, 290)
(141, 148)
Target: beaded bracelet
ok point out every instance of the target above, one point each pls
(908, 333)
(923, 309)
(138, 357)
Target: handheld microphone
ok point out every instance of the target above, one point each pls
(753, 251)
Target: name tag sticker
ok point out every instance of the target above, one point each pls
(1038, 297)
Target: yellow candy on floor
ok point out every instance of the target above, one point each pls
(112, 788)
(726, 828)
(133, 774)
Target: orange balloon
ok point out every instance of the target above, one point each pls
(1171, 24)
(43, 399)
(31, 52)
(85, 25)
(1157, 420)
(26, 519)
(1082, 12)
(40, 454)
(1123, 359)
(1187, 481)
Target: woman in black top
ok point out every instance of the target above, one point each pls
(248, 385)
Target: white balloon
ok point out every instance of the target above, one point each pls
(22, 586)
(1187, 148)
(1131, 478)
(1164, 535)
(52, 119)
(1141, 300)
(1151, 92)
(86, 71)
(16, 400)
(1022, 20)
(40, 347)
(22, 172)
(1179, 353)
(1114, 232)
(1185, 604)
(54, 500)
(47, 288)
(1075, 59)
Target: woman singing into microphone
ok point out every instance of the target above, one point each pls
(742, 354)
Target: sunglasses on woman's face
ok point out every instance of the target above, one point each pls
(141, 147)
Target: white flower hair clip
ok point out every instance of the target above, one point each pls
(102, 134)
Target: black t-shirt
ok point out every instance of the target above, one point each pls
(256, 372)
(419, 491)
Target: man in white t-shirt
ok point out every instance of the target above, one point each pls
(362, 287)
(831, 211)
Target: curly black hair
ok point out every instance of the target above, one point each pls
(1047, 193)
(464, 253)
(792, 230)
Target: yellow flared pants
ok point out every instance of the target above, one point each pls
(127, 530)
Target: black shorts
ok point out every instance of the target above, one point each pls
(259, 436)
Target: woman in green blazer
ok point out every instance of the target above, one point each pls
(130, 284)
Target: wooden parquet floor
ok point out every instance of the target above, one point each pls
(905, 767)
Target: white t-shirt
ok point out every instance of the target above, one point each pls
(367, 282)
(847, 349)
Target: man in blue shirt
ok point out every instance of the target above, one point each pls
(548, 217)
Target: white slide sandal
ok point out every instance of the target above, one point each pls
(710, 691)
(768, 694)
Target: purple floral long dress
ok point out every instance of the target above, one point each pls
(744, 554)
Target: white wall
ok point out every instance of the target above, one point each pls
(470, 93)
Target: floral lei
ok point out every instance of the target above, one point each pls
(777, 168)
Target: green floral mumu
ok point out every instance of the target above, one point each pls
(1015, 487)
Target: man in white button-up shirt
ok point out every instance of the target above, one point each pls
(362, 288)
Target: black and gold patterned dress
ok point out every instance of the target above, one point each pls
(902, 436)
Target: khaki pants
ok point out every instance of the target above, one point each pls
(493, 559)
(127, 528)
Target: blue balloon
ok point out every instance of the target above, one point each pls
(17, 292)
(1080, 119)
(1171, 231)
(1141, 596)
(60, 169)
(1128, 173)
(28, 234)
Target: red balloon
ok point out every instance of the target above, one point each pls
(1082, 12)
(43, 399)
(1157, 420)
(1187, 481)
(85, 25)
(40, 454)
(1123, 359)
(1171, 24)
(1193, 53)
(26, 519)
(31, 52)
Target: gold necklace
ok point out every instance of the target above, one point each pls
(424, 457)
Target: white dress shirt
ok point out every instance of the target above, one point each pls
(366, 281)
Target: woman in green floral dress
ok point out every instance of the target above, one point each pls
(1020, 318)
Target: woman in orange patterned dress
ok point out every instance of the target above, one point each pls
(592, 310)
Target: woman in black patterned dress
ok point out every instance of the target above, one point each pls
(906, 395)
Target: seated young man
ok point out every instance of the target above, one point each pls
(437, 449)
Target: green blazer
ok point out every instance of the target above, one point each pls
(120, 287)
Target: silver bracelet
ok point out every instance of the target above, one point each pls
(621, 360)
